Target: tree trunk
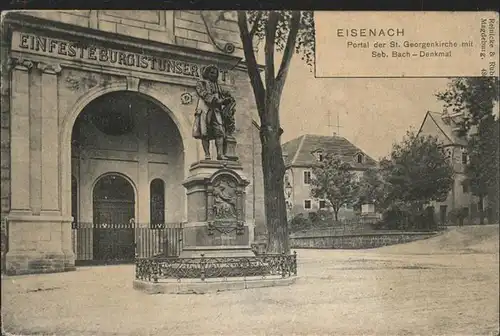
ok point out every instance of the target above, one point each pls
(336, 213)
(268, 102)
(274, 171)
(481, 210)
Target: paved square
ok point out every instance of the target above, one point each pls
(447, 285)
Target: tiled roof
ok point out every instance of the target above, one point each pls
(290, 149)
(301, 150)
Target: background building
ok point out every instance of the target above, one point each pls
(445, 127)
(306, 151)
(97, 108)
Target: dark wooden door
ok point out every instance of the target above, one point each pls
(442, 214)
(114, 230)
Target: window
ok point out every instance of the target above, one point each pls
(360, 158)
(465, 187)
(74, 201)
(320, 157)
(157, 203)
(307, 177)
(322, 204)
(307, 204)
(448, 153)
(464, 158)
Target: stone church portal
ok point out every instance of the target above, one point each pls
(97, 147)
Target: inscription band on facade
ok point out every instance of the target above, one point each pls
(42, 45)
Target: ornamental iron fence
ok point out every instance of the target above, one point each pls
(155, 269)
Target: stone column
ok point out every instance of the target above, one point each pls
(50, 139)
(20, 142)
(39, 237)
(51, 194)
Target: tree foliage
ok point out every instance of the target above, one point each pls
(372, 188)
(417, 171)
(482, 167)
(475, 97)
(305, 33)
(334, 180)
(285, 32)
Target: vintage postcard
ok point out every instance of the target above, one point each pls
(195, 172)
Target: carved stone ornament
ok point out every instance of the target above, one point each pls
(226, 227)
(186, 98)
(52, 69)
(211, 19)
(75, 82)
(21, 64)
(225, 198)
(224, 212)
(133, 83)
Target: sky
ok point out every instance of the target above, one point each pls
(373, 113)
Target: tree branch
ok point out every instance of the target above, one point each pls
(269, 49)
(289, 48)
(279, 82)
(252, 67)
(255, 24)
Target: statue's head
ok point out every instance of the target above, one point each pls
(211, 73)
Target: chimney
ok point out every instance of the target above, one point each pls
(334, 133)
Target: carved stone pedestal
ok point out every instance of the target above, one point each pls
(216, 211)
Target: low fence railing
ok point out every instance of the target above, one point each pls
(155, 269)
(125, 242)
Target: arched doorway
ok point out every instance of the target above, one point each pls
(124, 140)
(114, 219)
(70, 130)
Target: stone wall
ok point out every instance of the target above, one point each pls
(4, 148)
(181, 27)
(190, 30)
(5, 130)
(360, 241)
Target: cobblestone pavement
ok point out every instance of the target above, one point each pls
(448, 285)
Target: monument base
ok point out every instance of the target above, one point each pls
(216, 251)
(216, 225)
(197, 286)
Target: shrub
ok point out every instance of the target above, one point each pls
(313, 218)
(300, 222)
(458, 215)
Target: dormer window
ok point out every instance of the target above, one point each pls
(465, 157)
(359, 158)
(319, 156)
(448, 153)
